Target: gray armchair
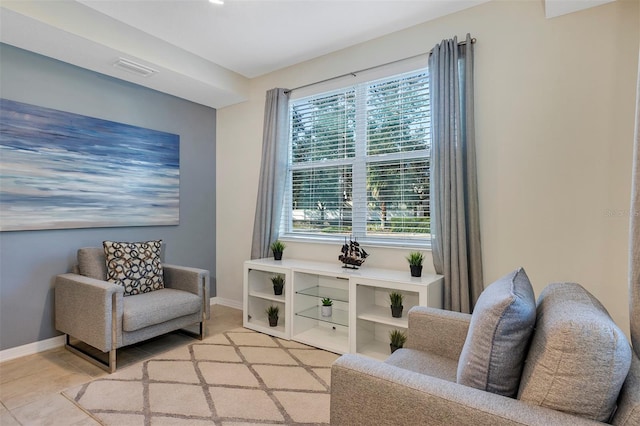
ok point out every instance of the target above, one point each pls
(94, 311)
(418, 384)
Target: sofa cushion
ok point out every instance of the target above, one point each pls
(579, 358)
(144, 310)
(91, 263)
(501, 326)
(135, 266)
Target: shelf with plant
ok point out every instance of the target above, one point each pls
(260, 284)
(373, 337)
(338, 316)
(337, 294)
(278, 284)
(415, 260)
(374, 304)
(380, 314)
(397, 339)
(326, 310)
(273, 315)
(257, 318)
(396, 298)
(277, 247)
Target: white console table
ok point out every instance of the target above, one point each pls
(361, 318)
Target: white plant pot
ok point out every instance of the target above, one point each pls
(326, 311)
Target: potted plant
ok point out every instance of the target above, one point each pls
(277, 247)
(327, 307)
(397, 338)
(396, 304)
(278, 284)
(272, 313)
(415, 259)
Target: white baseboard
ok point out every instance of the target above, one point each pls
(56, 342)
(226, 302)
(32, 348)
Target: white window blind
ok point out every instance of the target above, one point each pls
(359, 162)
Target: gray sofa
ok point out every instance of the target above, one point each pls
(579, 369)
(94, 311)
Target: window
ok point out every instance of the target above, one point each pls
(359, 162)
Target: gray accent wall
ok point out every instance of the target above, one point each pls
(29, 260)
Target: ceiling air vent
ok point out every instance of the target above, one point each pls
(134, 67)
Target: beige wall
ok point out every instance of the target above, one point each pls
(554, 126)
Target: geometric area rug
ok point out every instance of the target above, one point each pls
(238, 377)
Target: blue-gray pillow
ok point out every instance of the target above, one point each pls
(501, 326)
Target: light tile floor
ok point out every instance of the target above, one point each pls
(30, 386)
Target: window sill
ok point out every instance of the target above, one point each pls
(367, 242)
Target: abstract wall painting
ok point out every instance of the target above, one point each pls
(60, 170)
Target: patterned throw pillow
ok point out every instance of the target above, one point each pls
(135, 266)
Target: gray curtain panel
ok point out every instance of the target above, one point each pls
(273, 172)
(634, 258)
(455, 221)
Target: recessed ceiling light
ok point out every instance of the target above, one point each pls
(220, 2)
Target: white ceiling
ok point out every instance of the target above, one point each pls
(206, 52)
(554, 8)
(253, 38)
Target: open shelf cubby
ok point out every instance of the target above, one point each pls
(331, 332)
(259, 295)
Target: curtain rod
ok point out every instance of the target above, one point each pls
(355, 73)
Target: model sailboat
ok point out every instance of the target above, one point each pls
(353, 255)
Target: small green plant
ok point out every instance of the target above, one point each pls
(415, 258)
(396, 298)
(273, 311)
(278, 281)
(278, 246)
(397, 338)
(278, 284)
(327, 302)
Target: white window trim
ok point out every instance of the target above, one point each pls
(388, 242)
